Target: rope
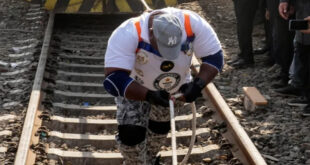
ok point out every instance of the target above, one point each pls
(146, 5)
(173, 137)
(191, 145)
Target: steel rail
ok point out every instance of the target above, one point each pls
(23, 152)
(249, 153)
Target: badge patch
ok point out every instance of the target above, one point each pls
(167, 81)
(188, 48)
(139, 80)
(139, 72)
(141, 57)
(166, 66)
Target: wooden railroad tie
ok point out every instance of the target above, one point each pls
(253, 99)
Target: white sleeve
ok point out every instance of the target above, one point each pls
(121, 47)
(206, 41)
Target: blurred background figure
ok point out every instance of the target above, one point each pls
(300, 79)
(245, 13)
(262, 17)
(281, 41)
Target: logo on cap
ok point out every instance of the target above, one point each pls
(172, 41)
(167, 31)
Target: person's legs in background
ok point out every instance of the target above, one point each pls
(283, 49)
(262, 18)
(282, 43)
(306, 57)
(298, 71)
(245, 12)
(296, 82)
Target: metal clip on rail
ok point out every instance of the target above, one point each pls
(173, 137)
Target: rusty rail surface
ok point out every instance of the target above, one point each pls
(247, 150)
(23, 155)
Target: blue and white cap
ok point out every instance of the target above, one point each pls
(167, 31)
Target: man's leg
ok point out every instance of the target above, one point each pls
(270, 4)
(132, 117)
(283, 46)
(297, 82)
(261, 16)
(159, 126)
(245, 12)
(298, 71)
(306, 54)
(272, 7)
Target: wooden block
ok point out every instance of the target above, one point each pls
(253, 99)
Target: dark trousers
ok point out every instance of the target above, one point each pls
(282, 39)
(267, 27)
(268, 35)
(245, 12)
(301, 68)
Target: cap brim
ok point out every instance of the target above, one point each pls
(169, 53)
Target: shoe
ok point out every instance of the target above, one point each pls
(260, 51)
(241, 63)
(288, 90)
(300, 102)
(306, 111)
(280, 83)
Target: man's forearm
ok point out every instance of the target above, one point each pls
(135, 91)
(207, 72)
(119, 83)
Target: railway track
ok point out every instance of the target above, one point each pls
(71, 119)
(20, 46)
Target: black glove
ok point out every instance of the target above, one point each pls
(158, 97)
(193, 89)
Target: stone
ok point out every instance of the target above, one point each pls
(207, 160)
(238, 113)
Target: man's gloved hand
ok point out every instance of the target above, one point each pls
(158, 97)
(192, 90)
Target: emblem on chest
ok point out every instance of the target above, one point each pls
(139, 72)
(141, 58)
(166, 66)
(188, 48)
(167, 81)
